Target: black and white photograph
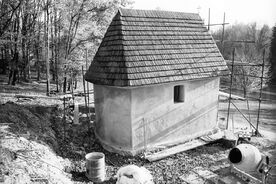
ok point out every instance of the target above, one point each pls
(137, 92)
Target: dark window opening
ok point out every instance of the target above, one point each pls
(178, 94)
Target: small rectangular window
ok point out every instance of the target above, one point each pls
(178, 94)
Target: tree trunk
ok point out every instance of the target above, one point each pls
(56, 29)
(29, 65)
(24, 65)
(13, 75)
(37, 50)
(37, 56)
(46, 31)
(53, 45)
(38, 70)
(64, 84)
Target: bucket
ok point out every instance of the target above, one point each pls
(95, 166)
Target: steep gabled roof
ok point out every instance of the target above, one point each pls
(145, 47)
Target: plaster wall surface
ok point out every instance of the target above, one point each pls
(113, 116)
(132, 119)
(157, 119)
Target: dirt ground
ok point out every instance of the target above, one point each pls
(41, 144)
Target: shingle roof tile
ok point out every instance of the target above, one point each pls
(145, 47)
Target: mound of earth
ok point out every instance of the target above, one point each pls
(32, 122)
(27, 146)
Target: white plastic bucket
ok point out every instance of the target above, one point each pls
(95, 166)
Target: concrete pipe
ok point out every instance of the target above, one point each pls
(245, 157)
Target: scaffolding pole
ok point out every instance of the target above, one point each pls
(260, 96)
(231, 81)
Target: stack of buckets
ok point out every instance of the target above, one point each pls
(95, 167)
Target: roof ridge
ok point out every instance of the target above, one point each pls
(169, 11)
(125, 11)
(120, 11)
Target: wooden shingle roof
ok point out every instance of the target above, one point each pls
(145, 47)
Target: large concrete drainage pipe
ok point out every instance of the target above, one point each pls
(245, 157)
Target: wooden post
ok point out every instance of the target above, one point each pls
(72, 89)
(222, 36)
(145, 134)
(209, 19)
(64, 83)
(84, 91)
(88, 99)
(76, 113)
(64, 117)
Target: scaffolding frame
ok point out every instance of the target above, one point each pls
(232, 74)
(256, 128)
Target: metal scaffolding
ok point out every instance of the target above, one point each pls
(234, 63)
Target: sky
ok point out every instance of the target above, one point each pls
(236, 11)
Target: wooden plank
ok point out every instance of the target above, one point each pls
(234, 97)
(26, 96)
(186, 146)
(213, 137)
(176, 149)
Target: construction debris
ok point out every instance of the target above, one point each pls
(132, 174)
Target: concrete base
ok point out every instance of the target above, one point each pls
(114, 149)
(132, 152)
